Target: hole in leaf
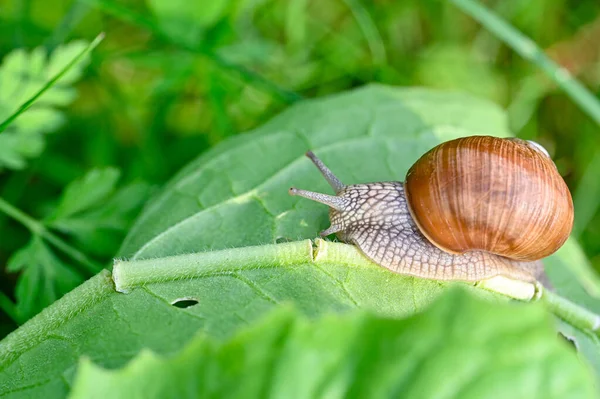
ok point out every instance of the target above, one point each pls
(281, 240)
(183, 303)
(569, 340)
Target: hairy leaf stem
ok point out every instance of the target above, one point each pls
(572, 313)
(130, 274)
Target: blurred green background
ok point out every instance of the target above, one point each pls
(173, 78)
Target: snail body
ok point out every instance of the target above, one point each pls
(469, 209)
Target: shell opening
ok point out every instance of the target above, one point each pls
(538, 147)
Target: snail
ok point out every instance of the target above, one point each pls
(469, 209)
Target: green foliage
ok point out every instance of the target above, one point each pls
(22, 75)
(97, 214)
(504, 351)
(174, 78)
(110, 327)
(203, 207)
(361, 125)
(44, 278)
(91, 211)
(92, 190)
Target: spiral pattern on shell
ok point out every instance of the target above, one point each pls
(503, 196)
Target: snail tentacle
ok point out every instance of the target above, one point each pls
(334, 202)
(333, 181)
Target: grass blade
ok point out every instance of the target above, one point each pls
(369, 30)
(530, 51)
(50, 83)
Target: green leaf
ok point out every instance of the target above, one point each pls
(89, 191)
(95, 213)
(44, 278)
(23, 76)
(360, 355)
(234, 196)
(16, 148)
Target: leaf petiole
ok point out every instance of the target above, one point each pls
(130, 274)
(35, 227)
(572, 313)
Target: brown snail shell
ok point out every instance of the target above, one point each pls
(502, 196)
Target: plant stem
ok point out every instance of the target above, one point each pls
(35, 227)
(530, 51)
(32, 225)
(130, 274)
(571, 313)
